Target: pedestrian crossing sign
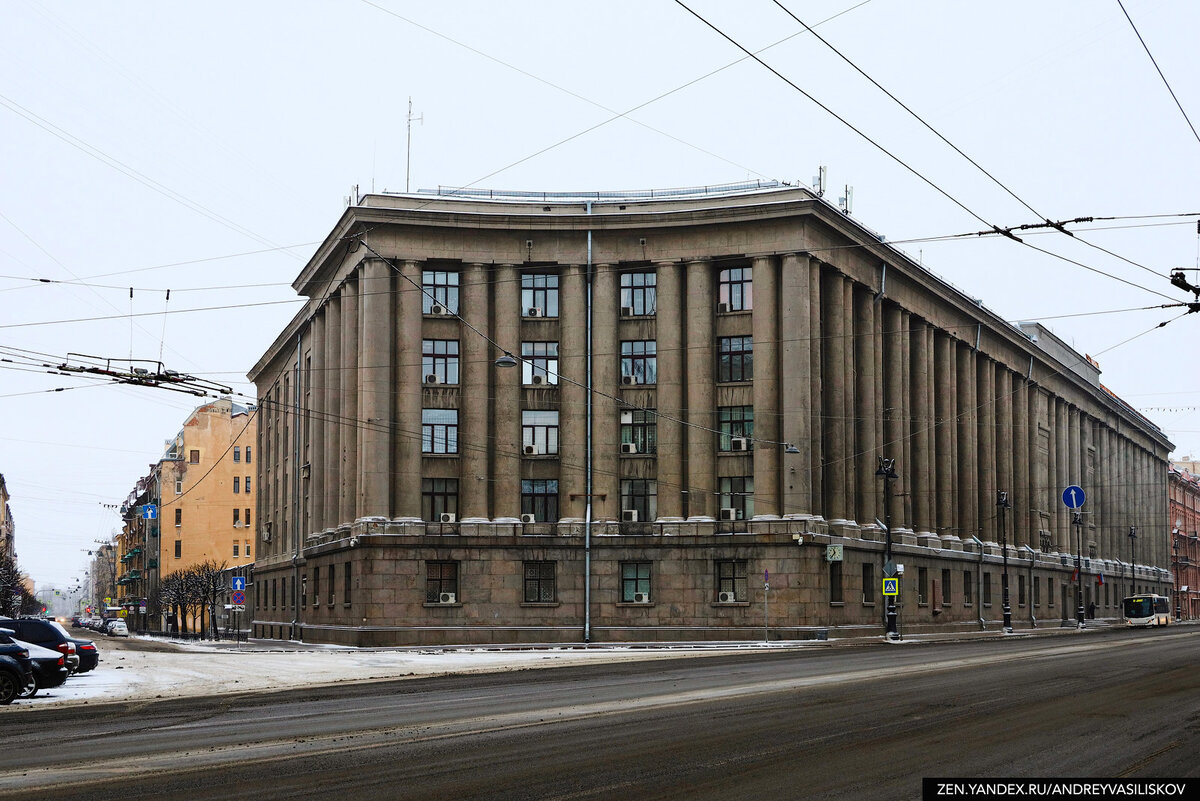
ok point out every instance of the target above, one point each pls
(891, 586)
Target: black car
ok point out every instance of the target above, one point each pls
(49, 668)
(89, 655)
(46, 633)
(16, 670)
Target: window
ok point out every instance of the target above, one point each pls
(539, 497)
(835, 582)
(539, 359)
(922, 585)
(737, 493)
(237, 519)
(539, 582)
(439, 431)
(731, 579)
(539, 291)
(735, 289)
(345, 585)
(1020, 590)
(439, 496)
(1037, 591)
(316, 586)
(246, 550)
(945, 587)
(635, 580)
(439, 358)
(274, 594)
(640, 495)
(236, 548)
(638, 291)
(237, 453)
(735, 421)
(639, 428)
(332, 593)
(539, 430)
(179, 486)
(441, 289)
(178, 549)
(735, 358)
(247, 518)
(178, 516)
(283, 594)
(639, 361)
(987, 589)
(303, 590)
(868, 583)
(440, 577)
(968, 588)
(1050, 592)
(237, 484)
(246, 484)
(193, 457)
(247, 454)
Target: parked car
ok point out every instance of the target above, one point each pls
(49, 668)
(89, 655)
(117, 628)
(46, 633)
(16, 669)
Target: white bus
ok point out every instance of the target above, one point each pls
(1147, 610)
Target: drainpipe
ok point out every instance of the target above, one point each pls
(587, 520)
(1032, 613)
(979, 583)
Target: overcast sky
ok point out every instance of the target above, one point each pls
(206, 148)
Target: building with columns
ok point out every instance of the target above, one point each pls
(605, 417)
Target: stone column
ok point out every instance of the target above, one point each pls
(819, 505)
(331, 463)
(606, 370)
(833, 362)
(796, 382)
(920, 485)
(985, 402)
(1039, 470)
(375, 391)
(506, 405)
(894, 335)
(1022, 499)
(1004, 447)
(866, 409)
(669, 327)
(572, 421)
(766, 332)
(409, 395)
(1062, 448)
(475, 390)
(700, 361)
(317, 424)
(968, 451)
(351, 426)
(946, 462)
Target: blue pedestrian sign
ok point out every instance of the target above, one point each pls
(150, 512)
(1073, 497)
(891, 586)
(239, 584)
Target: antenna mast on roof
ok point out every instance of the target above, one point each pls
(408, 156)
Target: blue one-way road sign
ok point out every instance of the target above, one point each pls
(239, 583)
(1073, 497)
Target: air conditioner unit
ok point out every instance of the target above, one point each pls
(528, 518)
(238, 524)
(447, 598)
(531, 450)
(629, 515)
(729, 513)
(739, 444)
(448, 517)
(628, 379)
(538, 380)
(535, 311)
(265, 535)
(722, 308)
(628, 447)
(626, 311)
(726, 598)
(439, 309)
(432, 378)
(641, 598)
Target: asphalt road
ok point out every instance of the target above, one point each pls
(840, 723)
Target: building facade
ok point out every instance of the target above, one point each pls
(8, 528)
(625, 417)
(203, 489)
(1184, 523)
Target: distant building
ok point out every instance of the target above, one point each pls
(1184, 523)
(8, 529)
(538, 417)
(203, 491)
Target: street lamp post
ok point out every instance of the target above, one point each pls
(1003, 503)
(1175, 548)
(887, 471)
(1132, 560)
(1077, 519)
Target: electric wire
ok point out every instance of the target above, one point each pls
(1154, 61)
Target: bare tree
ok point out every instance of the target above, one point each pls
(11, 587)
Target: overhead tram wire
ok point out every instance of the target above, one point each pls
(1060, 227)
(1154, 61)
(995, 228)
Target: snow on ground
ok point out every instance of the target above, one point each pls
(190, 669)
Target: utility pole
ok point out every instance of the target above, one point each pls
(1003, 503)
(408, 155)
